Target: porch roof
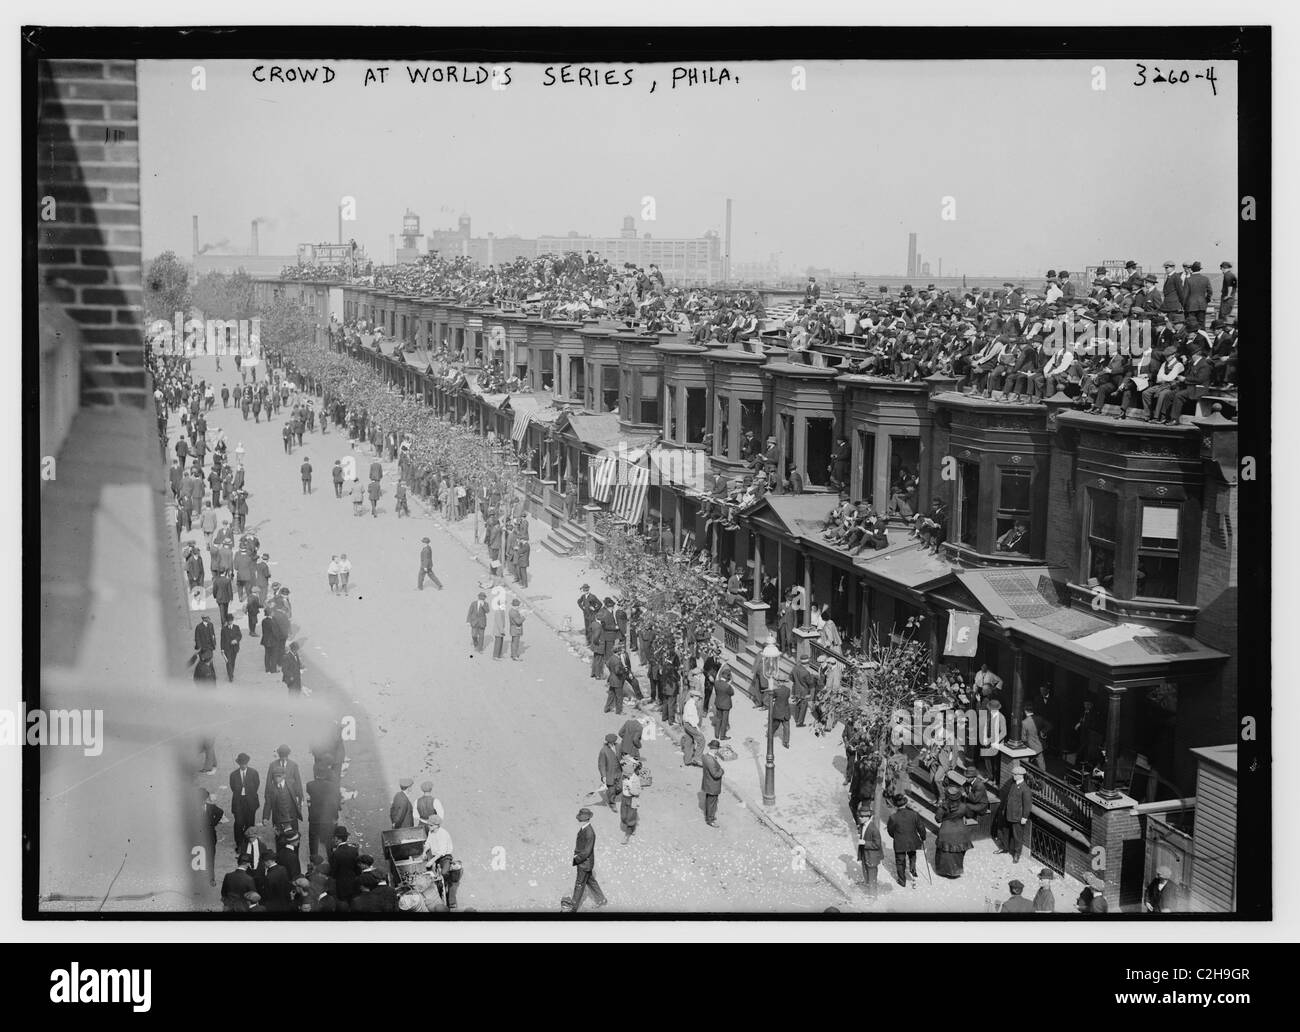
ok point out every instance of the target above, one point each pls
(1124, 646)
(602, 430)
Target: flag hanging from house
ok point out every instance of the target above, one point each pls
(604, 470)
(520, 426)
(963, 634)
(633, 484)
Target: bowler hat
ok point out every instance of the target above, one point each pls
(584, 814)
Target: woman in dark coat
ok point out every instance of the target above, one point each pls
(953, 839)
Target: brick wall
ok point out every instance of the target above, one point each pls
(88, 167)
(1063, 524)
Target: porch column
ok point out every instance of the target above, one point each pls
(807, 590)
(1114, 704)
(932, 622)
(1017, 697)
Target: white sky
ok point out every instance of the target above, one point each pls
(1044, 170)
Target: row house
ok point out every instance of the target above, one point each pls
(1097, 557)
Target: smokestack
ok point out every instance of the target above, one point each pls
(392, 249)
(726, 248)
(911, 254)
(196, 236)
(253, 252)
(941, 268)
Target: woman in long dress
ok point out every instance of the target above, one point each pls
(953, 839)
(830, 632)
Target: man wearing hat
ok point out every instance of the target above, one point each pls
(402, 814)
(1016, 903)
(1092, 900)
(477, 620)
(589, 606)
(1227, 291)
(323, 801)
(630, 793)
(723, 690)
(711, 782)
(426, 566)
(437, 852)
(1017, 810)
(1197, 294)
(244, 784)
(1162, 896)
(1174, 294)
(283, 765)
(1044, 901)
(608, 766)
(236, 884)
(427, 805)
(291, 669)
(584, 859)
(870, 850)
(282, 807)
(908, 833)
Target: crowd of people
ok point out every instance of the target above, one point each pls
(1006, 343)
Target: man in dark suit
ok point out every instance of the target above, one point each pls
(401, 813)
(291, 669)
(596, 639)
(1197, 294)
(477, 620)
(610, 769)
(244, 783)
(231, 636)
(282, 807)
(426, 566)
(1017, 810)
(616, 678)
(711, 783)
(805, 687)
(907, 831)
(323, 801)
(584, 859)
(1175, 297)
(781, 711)
(1193, 385)
(205, 635)
(589, 605)
(236, 883)
(276, 886)
(841, 456)
(286, 854)
(723, 690)
(870, 850)
(345, 865)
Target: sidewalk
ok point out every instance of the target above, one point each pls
(811, 813)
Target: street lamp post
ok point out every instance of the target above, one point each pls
(771, 660)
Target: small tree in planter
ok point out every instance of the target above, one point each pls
(881, 685)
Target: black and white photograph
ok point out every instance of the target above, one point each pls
(646, 474)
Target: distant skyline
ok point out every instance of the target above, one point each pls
(1043, 171)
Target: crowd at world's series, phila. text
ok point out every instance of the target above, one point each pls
(498, 76)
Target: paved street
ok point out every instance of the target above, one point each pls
(511, 747)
